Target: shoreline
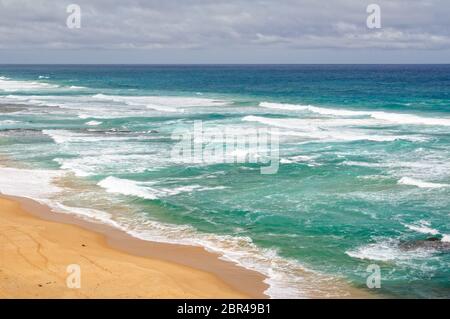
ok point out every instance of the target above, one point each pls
(214, 278)
(245, 282)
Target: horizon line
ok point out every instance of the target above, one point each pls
(217, 64)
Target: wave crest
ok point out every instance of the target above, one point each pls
(398, 118)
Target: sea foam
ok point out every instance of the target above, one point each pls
(328, 129)
(34, 184)
(161, 103)
(93, 123)
(420, 183)
(388, 250)
(147, 190)
(422, 227)
(8, 85)
(66, 136)
(398, 118)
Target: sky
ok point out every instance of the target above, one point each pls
(219, 31)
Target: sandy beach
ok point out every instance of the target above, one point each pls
(37, 246)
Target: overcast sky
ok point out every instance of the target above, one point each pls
(224, 31)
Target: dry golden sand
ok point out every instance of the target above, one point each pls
(36, 246)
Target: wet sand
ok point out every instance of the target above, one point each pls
(37, 245)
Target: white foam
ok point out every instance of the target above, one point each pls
(125, 187)
(87, 214)
(388, 250)
(419, 183)
(9, 122)
(64, 136)
(398, 118)
(410, 119)
(328, 129)
(92, 162)
(284, 106)
(163, 108)
(310, 124)
(73, 166)
(423, 228)
(8, 85)
(35, 184)
(310, 108)
(146, 190)
(373, 177)
(296, 159)
(103, 106)
(93, 123)
(162, 103)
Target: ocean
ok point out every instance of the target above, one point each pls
(363, 177)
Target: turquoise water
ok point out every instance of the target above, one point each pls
(364, 164)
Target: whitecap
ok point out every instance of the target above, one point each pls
(420, 183)
(126, 187)
(147, 190)
(310, 108)
(9, 122)
(8, 85)
(93, 123)
(327, 129)
(296, 159)
(388, 250)
(422, 227)
(398, 118)
(28, 183)
(64, 136)
(162, 103)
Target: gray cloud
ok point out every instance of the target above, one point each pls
(219, 24)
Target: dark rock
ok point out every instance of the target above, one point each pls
(432, 243)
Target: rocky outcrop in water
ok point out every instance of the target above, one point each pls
(432, 243)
